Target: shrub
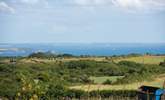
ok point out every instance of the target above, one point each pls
(107, 82)
(55, 91)
(108, 93)
(76, 93)
(162, 63)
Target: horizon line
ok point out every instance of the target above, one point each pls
(83, 43)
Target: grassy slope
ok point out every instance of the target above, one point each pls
(99, 80)
(140, 59)
(144, 59)
(158, 82)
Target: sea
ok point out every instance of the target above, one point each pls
(77, 49)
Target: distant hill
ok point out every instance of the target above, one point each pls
(48, 55)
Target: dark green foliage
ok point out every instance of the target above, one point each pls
(8, 88)
(51, 80)
(8, 83)
(93, 68)
(139, 72)
(108, 93)
(129, 64)
(56, 90)
(107, 82)
(103, 93)
(48, 55)
(78, 65)
(42, 55)
(76, 93)
(162, 63)
(65, 55)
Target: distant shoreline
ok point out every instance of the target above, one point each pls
(95, 49)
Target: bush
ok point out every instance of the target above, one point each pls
(162, 63)
(107, 82)
(76, 93)
(55, 91)
(108, 93)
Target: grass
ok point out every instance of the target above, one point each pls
(140, 59)
(92, 87)
(144, 59)
(32, 60)
(157, 82)
(100, 80)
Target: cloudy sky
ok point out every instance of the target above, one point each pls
(85, 21)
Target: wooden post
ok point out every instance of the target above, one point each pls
(164, 85)
(148, 96)
(88, 90)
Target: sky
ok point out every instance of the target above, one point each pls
(82, 21)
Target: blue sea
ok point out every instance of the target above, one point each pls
(95, 49)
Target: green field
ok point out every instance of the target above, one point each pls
(144, 59)
(71, 76)
(139, 59)
(157, 82)
(100, 80)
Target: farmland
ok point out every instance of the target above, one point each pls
(100, 80)
(144, 59)
(140, 59)
(157, 82)
(52, 76)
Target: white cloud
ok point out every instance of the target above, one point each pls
(140, 4)
(34, 2)
(92, 2)
(30, 1)
(6, 8)
(126, 4)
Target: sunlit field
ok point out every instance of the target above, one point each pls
(144, 59)
(100, 80)
(157, 82)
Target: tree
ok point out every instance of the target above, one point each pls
(162, 63)
(107, 82)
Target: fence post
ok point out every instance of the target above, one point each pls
(148, 97)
